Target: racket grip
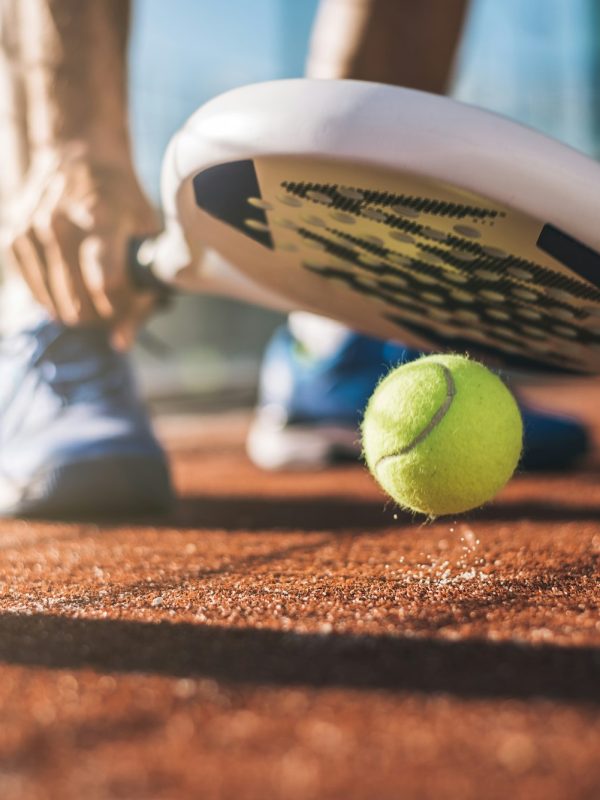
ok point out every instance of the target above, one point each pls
(141, 274)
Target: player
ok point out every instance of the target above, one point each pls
(75, 437)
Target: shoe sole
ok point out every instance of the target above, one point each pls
(108, 487)
(300, 447)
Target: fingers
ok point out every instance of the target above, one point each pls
(103, 266)
(65, 280)
(47, 255)
(102, 263)
(76, 219)
(124, 331)
(80, 279)
(27, 255)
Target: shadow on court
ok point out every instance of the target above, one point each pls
(467, 669)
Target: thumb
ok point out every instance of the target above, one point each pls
(124, 330)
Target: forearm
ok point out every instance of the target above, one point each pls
(80, 203)
(405, 42)
(73, 59)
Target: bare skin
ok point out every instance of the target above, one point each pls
(80, 201)
(410, 43)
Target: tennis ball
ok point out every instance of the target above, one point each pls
(442, 434)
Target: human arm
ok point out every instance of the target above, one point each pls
(81, 201)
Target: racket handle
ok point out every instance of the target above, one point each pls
(141, 274)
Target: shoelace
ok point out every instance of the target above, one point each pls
(77, 365)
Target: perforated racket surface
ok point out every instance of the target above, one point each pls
(386, 233)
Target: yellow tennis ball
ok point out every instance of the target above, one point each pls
(442, 434)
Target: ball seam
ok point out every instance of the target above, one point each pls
(433, 422)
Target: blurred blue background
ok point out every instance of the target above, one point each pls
(533, 60)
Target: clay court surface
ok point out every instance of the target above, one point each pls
(290, 636)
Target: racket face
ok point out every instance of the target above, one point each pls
(403, 256)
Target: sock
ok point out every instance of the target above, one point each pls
(319, 337)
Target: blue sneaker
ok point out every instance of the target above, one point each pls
(310, 408)
(74, 437)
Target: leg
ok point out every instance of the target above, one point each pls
(399, 42)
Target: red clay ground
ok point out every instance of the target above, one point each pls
(286, 636)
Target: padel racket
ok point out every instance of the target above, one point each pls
(406, 215)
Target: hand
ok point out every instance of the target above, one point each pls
(73, 221)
